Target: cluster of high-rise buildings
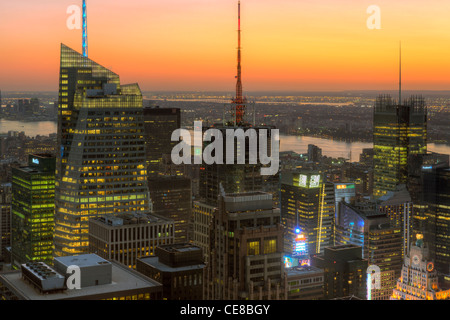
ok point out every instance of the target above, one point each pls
(111, 202)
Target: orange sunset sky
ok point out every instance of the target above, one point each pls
(190, 45)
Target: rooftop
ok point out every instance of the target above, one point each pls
(154, 262)
(123, 279)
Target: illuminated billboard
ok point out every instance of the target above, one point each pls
(345, 186)
(302, 182)
(312, 181)
(315, 181)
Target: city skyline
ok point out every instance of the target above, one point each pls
(191, 45)
(120, 202)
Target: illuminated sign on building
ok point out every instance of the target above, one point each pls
(288, 262)
(300, 245)
(293, 261)
(345, 186)
(315, 181)
(308, 181)
(302, 182)
(35, 161)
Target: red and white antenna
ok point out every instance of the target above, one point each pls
(239, 100)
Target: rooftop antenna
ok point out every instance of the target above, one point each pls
(85, 41)
(239, 100)
(400, 75)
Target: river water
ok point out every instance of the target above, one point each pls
(299, 144)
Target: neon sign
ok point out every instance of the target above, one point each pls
(35, 161)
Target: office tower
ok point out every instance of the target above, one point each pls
(179, 268)
(171, 198)
(33, 204)
(436, 182)
(398, 132)
(382, 241)
(159, 125)
(419, 277)
(235, 178)
(246, 250)
(418, 163)
(99, 280)
(127, 237)
(307, 203)
(397, 205)
(314, 153)
(203, 214)
(5, 220)
(100, 166)
(305, 283)
(344, 271)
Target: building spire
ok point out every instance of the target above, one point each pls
(400, 75)
(85, 40)
(239, 100)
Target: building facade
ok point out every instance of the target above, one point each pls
(307, 203)
(419, 277)
(344, 271)
(246, 250)
(399, 130)
(127, 237)
(172, 199)
(159, 125)
(5, 220)
(180, 269)
(100, 166)
(33, 204)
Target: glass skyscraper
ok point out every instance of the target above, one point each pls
(308, 204)
(100, 166)
(398, 131)
(33, 203)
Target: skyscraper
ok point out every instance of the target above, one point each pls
(344, 268)
(159, 125)
(237, 177)
(246, 249)
(100, 166)
(399, 130)
(437, 214)
(171, 198)
(307, 203)
(33, 203)
(5, 219)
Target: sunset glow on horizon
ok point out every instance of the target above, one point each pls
(190, 45)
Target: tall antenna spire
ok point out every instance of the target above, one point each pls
(239, 100)
(400, 76)
(85, 40)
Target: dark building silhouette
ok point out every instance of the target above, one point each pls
(398, 132)
(344, 271)
(437, 224)
(159, 125)
(179, 268)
